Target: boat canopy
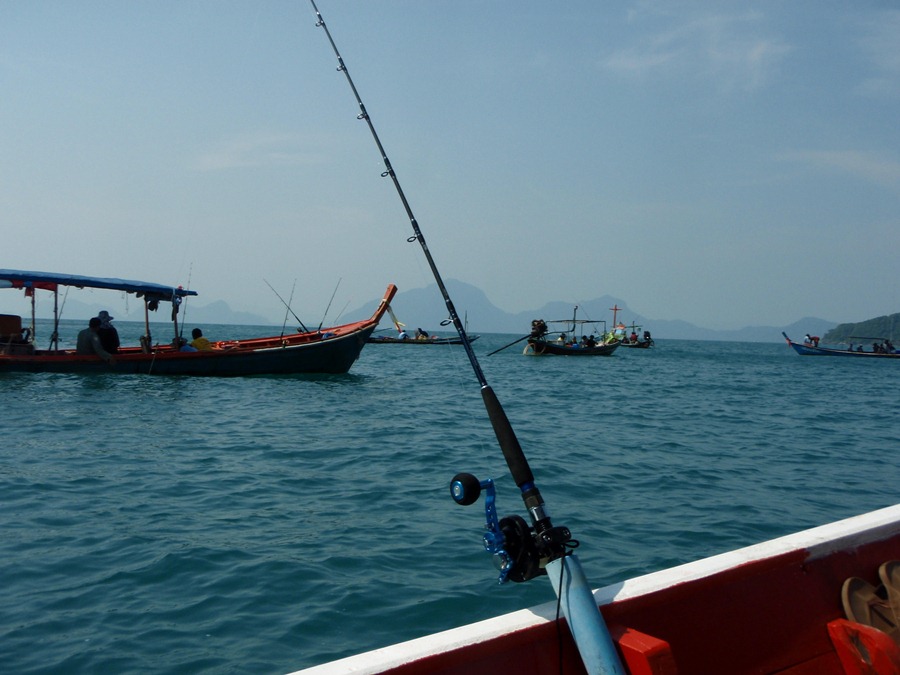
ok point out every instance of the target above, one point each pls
(50, 280)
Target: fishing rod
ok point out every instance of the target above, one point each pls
(54, 339)
(305, 329)
(522, 552)
(337, 319)
(329, 303)
(288, 307)
(184, 311)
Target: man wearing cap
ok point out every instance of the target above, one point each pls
(89, 341)
(109, 336)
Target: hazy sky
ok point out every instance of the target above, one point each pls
(724, 163)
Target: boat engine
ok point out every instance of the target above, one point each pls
(520, 553)
(538, 328)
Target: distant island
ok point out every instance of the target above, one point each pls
(880, 328)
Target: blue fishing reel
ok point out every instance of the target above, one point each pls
(513, 544)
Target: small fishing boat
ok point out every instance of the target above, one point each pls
(632, 341)
(430, 340)
(775, 607)
(421, 337)
(810, 347)
(644, 342)
(573, 337)
(326, 350)
(637, 344)
(625, 340)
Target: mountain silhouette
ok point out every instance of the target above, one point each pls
(425, 308)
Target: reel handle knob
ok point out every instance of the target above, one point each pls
(465, 489)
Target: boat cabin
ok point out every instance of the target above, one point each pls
(16, 340)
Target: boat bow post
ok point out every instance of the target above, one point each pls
(525, 551)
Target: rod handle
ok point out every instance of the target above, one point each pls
(506, 437)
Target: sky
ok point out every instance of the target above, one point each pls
(727, 164)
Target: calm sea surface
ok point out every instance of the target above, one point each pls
(261, 525)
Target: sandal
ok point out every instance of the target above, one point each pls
(865, 604)
(889, 573)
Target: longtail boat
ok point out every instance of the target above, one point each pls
(326, 350)
(812, 348)
(573, 337)
(430, 340)
(635, 342)
(421, 337)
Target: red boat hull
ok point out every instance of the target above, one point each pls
(329, 350)
(769, 608)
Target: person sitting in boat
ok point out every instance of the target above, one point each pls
(200, 343)
(421, 334)
(403, 335)
(109, 336)
(561, 338)
(812, 339)
(89, 342)
(633, 336)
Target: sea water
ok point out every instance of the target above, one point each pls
(261, 525)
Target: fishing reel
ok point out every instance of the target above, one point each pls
(520, 551)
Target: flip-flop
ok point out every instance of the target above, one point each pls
(889, 573)
(863, 604)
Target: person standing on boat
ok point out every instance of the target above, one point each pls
(89, 341)
(109, 336)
